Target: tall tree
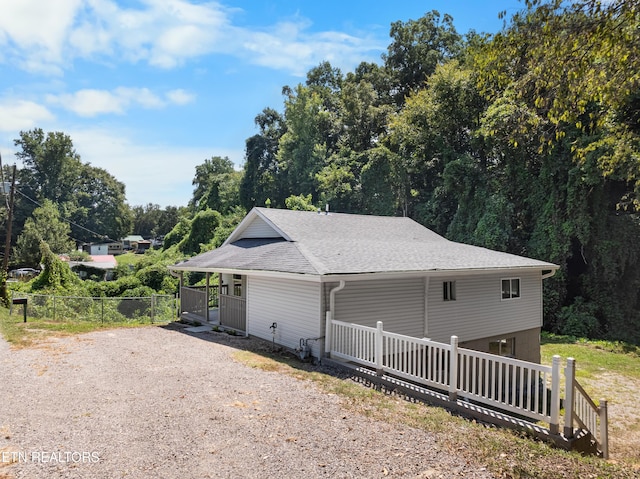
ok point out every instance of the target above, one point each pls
(88, 196)
(44, 225)
(417, 48)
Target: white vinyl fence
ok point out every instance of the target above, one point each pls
(521, 388)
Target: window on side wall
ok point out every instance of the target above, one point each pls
(503, 347)
(449, 291)
(510, 288)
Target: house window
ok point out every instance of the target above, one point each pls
(510, 288)
(503, 347)
(449, 291)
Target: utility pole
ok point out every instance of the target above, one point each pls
(4, 297)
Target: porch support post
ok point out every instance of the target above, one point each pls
(180, 292)
(453, 369)
(206, 299)
(379, 347)
(569, 377)
(554, 424)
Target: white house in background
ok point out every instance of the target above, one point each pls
(98, 249)
(282, 271)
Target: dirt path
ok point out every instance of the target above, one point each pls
(158, 403)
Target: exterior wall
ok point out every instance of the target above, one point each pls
(479, 312)
(399, 304)
(527, 345)
(294, 305)
(99, 249)
(259, 229)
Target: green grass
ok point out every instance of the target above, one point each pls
(593, 356)
(129, 259)
(21, 334)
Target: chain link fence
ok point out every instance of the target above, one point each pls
(157, 308)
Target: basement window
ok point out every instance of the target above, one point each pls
(449, 291)
(503, 347)
(510, 288)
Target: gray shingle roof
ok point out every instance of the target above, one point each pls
(335, 243)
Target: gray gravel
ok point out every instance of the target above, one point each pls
(159, 403)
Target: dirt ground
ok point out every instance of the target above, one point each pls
(159, 403)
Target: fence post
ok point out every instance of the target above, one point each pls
(54, 307)
(604, 428)
(327, 334)
(453, 369)
(554, 423)
(102, 310)
(569, 376)
(379, 352)
(153, 297)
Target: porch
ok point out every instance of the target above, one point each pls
(212, 305)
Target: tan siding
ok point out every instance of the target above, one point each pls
(293, 305)
(479, 312)
(399, 304)
(258, 228)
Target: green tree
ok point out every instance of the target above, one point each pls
(88, 196)
(417, 48)
(217, 185)
(44, 225)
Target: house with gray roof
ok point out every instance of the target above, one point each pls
(282, 273)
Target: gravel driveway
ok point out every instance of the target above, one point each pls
(157, 402)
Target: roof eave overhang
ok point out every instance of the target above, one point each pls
(388, 275)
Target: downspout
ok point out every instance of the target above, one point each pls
(329, 316)
(332, 296)
(549, 274)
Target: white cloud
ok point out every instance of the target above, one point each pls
(44, 37)
(152, 173)
(91, 102)
(180, 97)
(16, 115)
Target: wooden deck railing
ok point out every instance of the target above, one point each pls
(193, 301)
(233, 312)
(519, 387)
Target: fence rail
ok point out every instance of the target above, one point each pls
(155, 308)
(522, 388)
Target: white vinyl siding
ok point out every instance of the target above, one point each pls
(399, 304)
(293, 305)
(479, 311)
(258, 228)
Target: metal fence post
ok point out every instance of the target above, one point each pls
(554, 423)
(153, 297)
(569, 377)
(102, 310)
(453, 369)
(379, 347)
(54, 308)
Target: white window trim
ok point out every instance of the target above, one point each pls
(511, 298)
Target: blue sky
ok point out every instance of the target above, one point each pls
(149, 89)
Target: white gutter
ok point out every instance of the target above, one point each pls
(332, 296)
(549, 274)
(329, 316)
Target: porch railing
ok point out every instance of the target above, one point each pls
(581, 411)
(193, 301)
(233, 312)
(522, 388)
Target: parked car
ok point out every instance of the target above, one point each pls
(24, 273)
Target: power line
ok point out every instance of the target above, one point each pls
(105, 237)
